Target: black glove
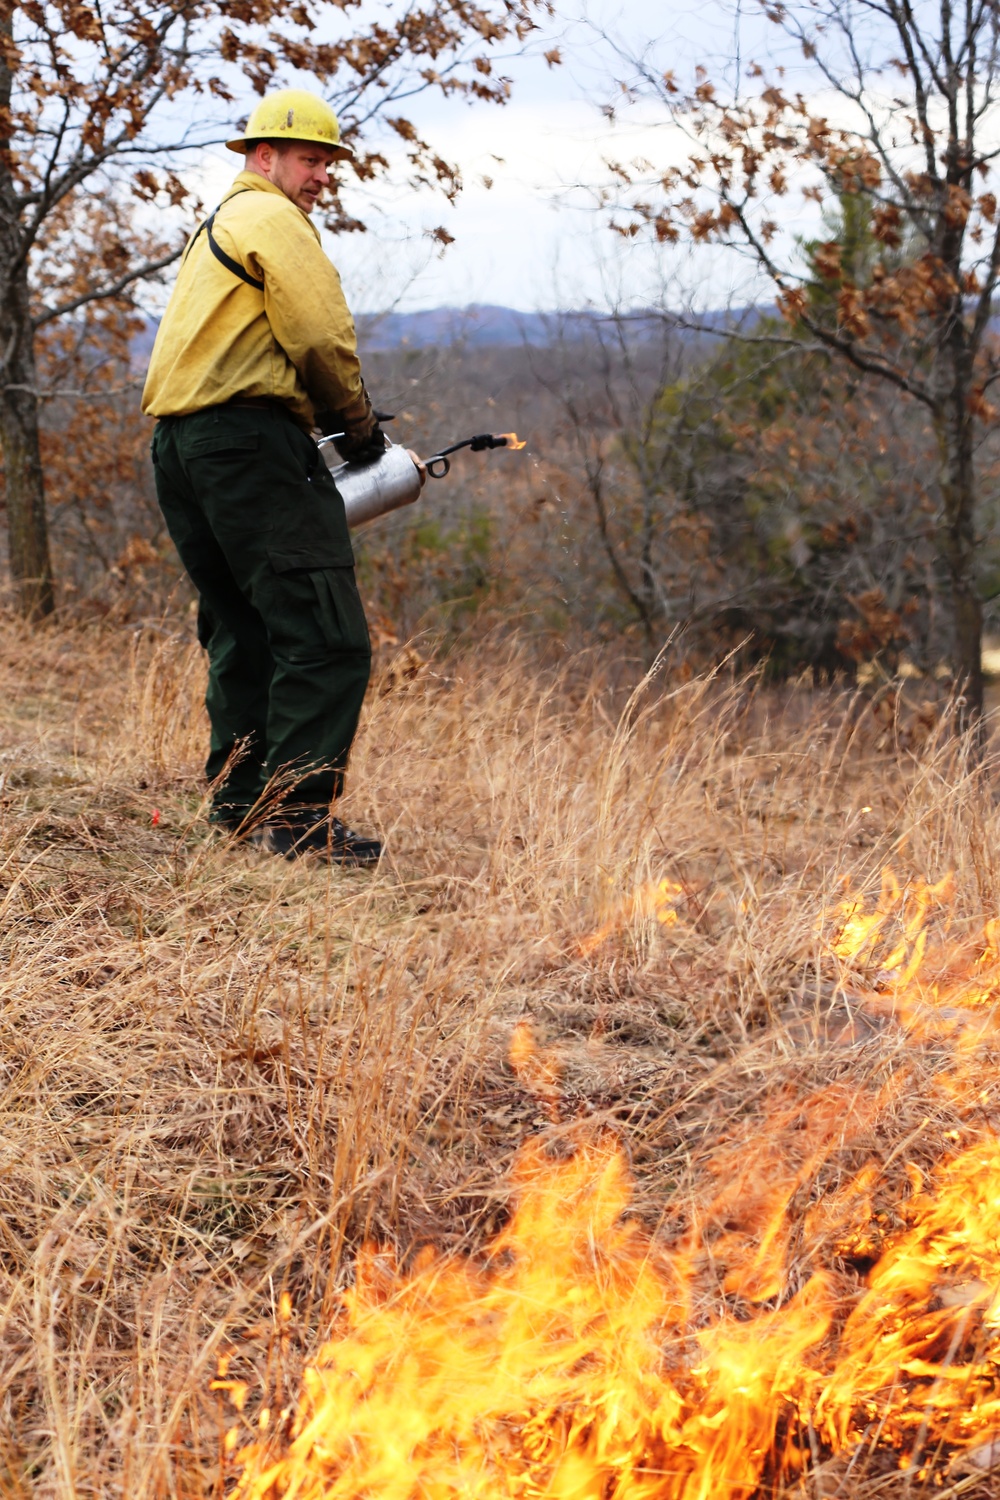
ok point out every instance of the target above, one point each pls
(364, 450)
(359, 437)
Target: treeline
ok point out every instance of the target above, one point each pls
(740, 492)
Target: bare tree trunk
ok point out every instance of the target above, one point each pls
(27, 528)
(957, 358)
(958, 550)
(28, 538)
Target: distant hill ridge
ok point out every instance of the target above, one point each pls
(483, 325)
(479, 325)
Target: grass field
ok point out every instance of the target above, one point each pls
(222, 1073)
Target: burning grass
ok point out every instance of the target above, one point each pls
(223, 1076)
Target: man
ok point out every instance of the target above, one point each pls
(256, 348)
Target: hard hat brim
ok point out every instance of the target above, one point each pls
(337, 153)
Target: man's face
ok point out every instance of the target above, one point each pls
(299, 169)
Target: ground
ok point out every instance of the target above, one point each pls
(224, 1073)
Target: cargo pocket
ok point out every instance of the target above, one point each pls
(340, 613)
(318, 590)
(303, 550)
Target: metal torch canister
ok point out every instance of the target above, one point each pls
(370, 490)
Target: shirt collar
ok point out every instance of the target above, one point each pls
(259, 184)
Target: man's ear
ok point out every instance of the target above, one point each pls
(263, 156)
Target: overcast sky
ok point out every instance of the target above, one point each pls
(533, 239)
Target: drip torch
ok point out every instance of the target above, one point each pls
(393, 480)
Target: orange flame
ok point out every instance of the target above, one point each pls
(536, 1070)
(950, 991)
(655, 899)
(512, 440)
(582, 1360)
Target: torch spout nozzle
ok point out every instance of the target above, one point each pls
(438, 466)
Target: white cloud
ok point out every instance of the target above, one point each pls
(531, 237)
(535, 238)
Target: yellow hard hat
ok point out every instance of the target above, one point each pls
(293, 115)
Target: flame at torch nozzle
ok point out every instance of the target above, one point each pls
(438, 466)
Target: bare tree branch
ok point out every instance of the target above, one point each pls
(101, 294)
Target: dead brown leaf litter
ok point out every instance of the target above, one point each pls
(221, 1073)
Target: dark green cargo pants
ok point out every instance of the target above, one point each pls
(260, 527)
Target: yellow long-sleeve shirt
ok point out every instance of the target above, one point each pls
(291, 340)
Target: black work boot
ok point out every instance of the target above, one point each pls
(229, 817)
(312, 830)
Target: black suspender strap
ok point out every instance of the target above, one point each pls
(220, 254)
(227, 260)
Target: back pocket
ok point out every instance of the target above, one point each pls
(223, 442)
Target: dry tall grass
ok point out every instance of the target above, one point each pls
(221, 1072)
